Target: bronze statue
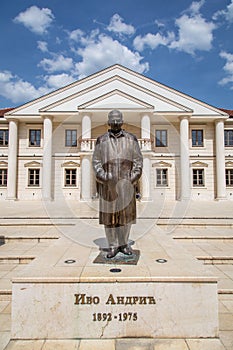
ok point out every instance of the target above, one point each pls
(117, 163)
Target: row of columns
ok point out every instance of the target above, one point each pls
(86, 172)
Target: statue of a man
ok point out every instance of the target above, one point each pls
(117, 163)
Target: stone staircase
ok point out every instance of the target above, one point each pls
(22, 239)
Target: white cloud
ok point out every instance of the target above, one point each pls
(17, 90)
(76, 35)
(227, 13)
(160, 24)
(42, 46)
(117, 25)
(35, 19)
(105, 52)
(195, 7)
(195, 33)
(5, 76)
(58, 63)
(228, 68)
(58, 80)
(82, 38)
(152, 40)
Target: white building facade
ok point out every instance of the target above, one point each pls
(46, 145)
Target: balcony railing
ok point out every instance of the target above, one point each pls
(88, 145)
(145, 144)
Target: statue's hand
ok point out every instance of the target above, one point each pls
(104, 177)
(109, 177)
(134, 177)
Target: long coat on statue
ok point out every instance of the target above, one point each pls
(117, 163)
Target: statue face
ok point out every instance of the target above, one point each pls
(115, 120)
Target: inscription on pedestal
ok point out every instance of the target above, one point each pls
(127, 315)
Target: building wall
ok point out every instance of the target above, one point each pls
(167, 157)
(205, 155)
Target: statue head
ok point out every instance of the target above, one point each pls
(115, 120)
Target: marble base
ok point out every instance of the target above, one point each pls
(55, 300)
(119, 259)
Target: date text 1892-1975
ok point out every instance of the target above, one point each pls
(83, 299)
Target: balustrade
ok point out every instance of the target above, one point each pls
(145, 144)
(88, 145)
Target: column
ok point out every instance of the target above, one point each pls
(184, 159)
(145, 131)
(146, 178)
(12, 160)
(220, 159)
(86, 132)
(47, 159)
(86, 178)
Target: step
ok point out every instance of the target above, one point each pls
(38, 239)
(192, 224)
(5, 295)
(16, 259)
(32, 222)
(203, 238)
(216, 260)
(225, 291)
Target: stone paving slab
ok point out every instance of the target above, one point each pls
(174, 209)
(227, 339)
(205, 344)
(124, 344)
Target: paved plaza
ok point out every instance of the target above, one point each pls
(204, 230)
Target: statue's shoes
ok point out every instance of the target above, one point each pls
(126, 250)
(112, 252)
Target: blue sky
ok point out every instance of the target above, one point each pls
(184, 44)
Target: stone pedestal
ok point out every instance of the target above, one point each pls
(63, 295)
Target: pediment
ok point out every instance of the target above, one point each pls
(33, 164)
(113, 93)
(3, 164)
(115, 99)
(161, 164)
(100, 91)
(70, 164)
(229, 164)
(199, 164)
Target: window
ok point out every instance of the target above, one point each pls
(198, 177)
(4, 136)
(71, 138)
(161, 138)
(229, 177)
(3, 177)
(197, 138)
(161, 177)
(71, 177)
(34, 138)
(34, 177)
(228, 138)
